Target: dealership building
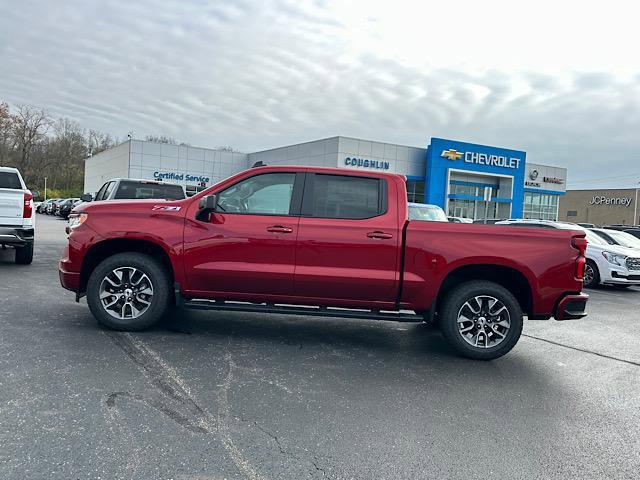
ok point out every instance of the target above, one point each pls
(601, 207)
(460, 177)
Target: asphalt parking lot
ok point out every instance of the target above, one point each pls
(216, 395)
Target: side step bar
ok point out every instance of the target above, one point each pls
(298, 310)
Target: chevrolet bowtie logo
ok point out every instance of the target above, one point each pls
(451, 154)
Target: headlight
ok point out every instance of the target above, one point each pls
(615, 258)
(76, 219)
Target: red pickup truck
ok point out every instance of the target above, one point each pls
(320, 241)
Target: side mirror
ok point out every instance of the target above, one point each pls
(86, 197)
(209, 202)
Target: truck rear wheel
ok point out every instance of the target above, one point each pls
(128, 292)
(481, 320)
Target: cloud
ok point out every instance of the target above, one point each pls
(261, 74)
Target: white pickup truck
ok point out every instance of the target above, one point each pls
(16, 215)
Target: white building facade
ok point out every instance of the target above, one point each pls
(447, 173)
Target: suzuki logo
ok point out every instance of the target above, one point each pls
(451, 154)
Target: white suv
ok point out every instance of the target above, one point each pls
(606, 264)
(16, 215)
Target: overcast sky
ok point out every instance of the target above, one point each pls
(558, 79)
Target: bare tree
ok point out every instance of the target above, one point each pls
(30, 126)
(6, 137)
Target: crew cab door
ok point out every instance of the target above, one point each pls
(247, 246)
(349, 240)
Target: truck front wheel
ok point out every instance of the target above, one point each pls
(481, 320)
(128, 291)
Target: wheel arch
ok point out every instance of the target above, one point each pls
(508, 277)
(108, 248)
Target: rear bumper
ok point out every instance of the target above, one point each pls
(16, 235)
(572, 307)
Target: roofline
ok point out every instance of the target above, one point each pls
(338, 137)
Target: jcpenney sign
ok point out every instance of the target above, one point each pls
(602, 200)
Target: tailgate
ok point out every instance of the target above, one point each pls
(11, 206)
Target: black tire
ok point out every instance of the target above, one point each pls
(452, 305)
(24, 255)
(158, 276)
(595, 278)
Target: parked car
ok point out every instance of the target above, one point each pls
(66, 206)
(41, 208)
(17, 225)
(274, 237)
(128, 189)
(426, 212)
(459, 220)
(586, 225)
(52, 207)
(607, 264)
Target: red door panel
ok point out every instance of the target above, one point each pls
(338, 259)
(241, 254)
(345, 260)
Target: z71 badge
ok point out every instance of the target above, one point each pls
(166, 208)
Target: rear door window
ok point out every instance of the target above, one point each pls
(10, 180)
(344, 196)
(141, 190)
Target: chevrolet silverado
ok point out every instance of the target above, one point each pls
(325, 242)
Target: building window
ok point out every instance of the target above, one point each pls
(415, 191)
(540, 206)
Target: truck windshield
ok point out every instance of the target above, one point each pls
(10, 180)
(141, 190)
(623, 238)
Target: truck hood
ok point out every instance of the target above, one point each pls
(620, 250)
(124, 207)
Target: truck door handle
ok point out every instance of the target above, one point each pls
(279, 229)
(380, 235)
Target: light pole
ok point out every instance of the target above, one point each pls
(45, 189)
(635, 208)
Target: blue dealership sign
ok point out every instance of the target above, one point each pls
(444, 155)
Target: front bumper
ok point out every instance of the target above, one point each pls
(623, 278)
(571, 307)
(16, 235)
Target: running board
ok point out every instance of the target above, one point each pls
(298, 310)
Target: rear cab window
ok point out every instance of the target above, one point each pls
(344, 197)
(10, 180)
(141, 190)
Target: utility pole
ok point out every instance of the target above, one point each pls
(635, 209)
(45, 189)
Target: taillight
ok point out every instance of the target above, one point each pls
(580, 244)
(27, 210)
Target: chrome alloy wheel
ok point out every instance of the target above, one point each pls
(589, 275)
(126, 292)
(483, 321)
